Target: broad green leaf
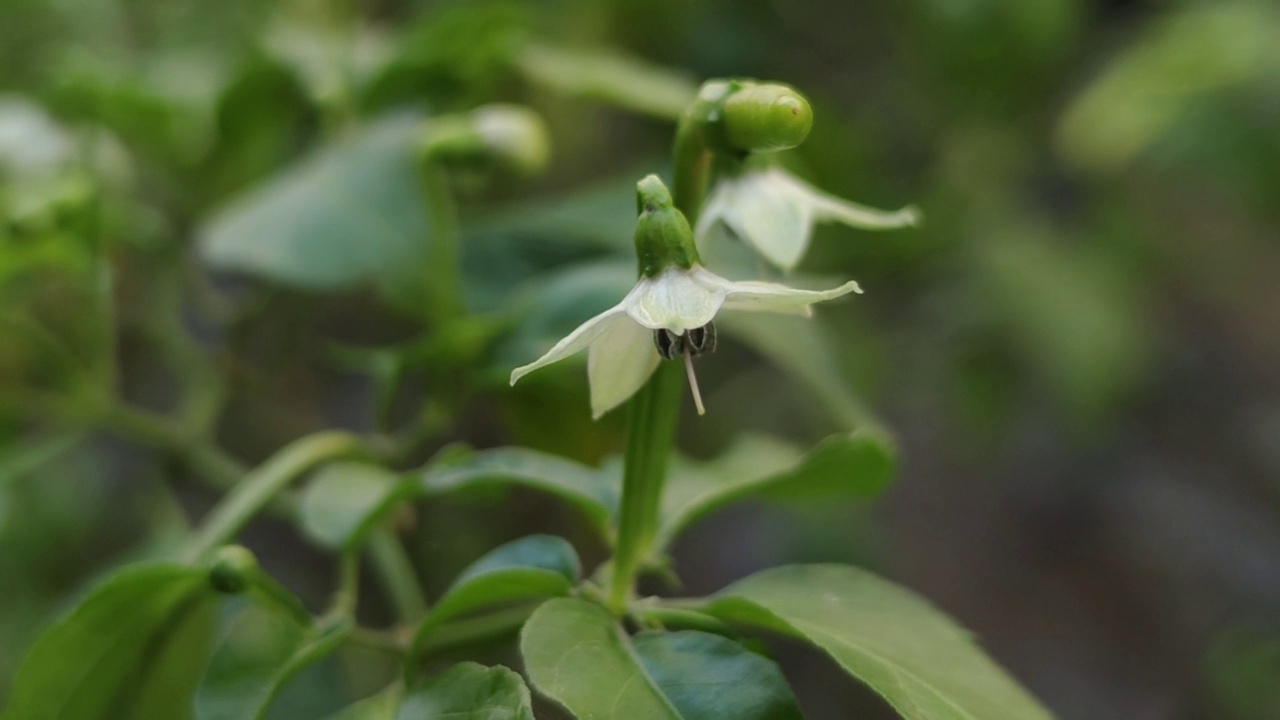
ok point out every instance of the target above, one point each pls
(576, 654)
(531, 568)
(259, 654)
(707, 676)
(81, 666)
(173, 670)
(348, 215)
(612, 78)
(379, 707)
(918, 659)
(345, 499)
(588, 489)
(469, 691)
(799, 348)
(850, 465)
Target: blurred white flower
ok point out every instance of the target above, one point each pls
(774, 212)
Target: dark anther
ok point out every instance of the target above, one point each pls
(698, 341)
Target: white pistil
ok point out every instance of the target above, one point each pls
(693, 380)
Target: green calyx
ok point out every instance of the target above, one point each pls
(663, 235)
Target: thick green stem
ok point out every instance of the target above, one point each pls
(651, 429)
(396, 572)
(443, 284)
(692, 165)
(257, 489)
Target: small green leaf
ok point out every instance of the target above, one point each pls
(259, 654)
(588, 489)
(851, 465)
(576, 654)
(349, 214)
(531, 568)
(918, 659)
(707, 677)
(469, 691)
(345, 499)
(81, 666)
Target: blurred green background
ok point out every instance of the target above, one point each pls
(1079, 354)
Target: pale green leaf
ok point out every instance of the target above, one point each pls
(469, 691)
(345, 499)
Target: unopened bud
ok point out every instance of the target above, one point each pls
(510, 136)
(232, 569)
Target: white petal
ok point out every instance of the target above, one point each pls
(583, 336)
(767, 212)
(618, 364)
(770, 297)
(823, 206)
(674, 300)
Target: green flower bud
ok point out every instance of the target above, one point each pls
(663, 236)
(512, 137)
(764, 118)
(233, 569)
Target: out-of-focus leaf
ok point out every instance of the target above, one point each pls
(1242, 667)
(538, 566)
(855, 465)
(1183, 58)
(918, 659)
(182, 650)
(345, 499)
(82, 666)
(610, 77)
(347, 215)
(30, 140)
(799, 348)
(577, 655)
(469, 691)
(379, 707)
(259, 654)
(589, 490)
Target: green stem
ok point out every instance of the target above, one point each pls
(348, 593)
(444, 286)
(471, 631)
(396, 572)
(261, 485)
(651, 429)
(691, 160)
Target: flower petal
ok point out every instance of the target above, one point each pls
(769, 297)
(584, 335)
(674, 300)
(823, 206)
(618, 364)
(766, 210)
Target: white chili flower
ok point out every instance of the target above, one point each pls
(774, 212)
(669, 312)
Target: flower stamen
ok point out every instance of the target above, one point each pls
(693, 380)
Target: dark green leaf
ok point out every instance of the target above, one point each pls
(469, 691)
(576, 654)
(534, 567)
(345, 499)
(918, 659)
(379, 707)
(707, 677)
(82, 665)
(851, 465)
(348, 215)
(588, 489)
(259, 654)
(173, 672)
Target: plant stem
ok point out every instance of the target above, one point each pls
(256, 490)
(651, 429)
(395, 569)
(471, 631)
(443, 284)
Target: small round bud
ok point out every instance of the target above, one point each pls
(762, 118)
(232, 569)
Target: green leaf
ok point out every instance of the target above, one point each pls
(855, 465)
(259, 654)
(173, 672)
(800, 349)
(918, 659)
(379, 707)
(534, 567)
(610, 77)
(592, 491)
(707, 676)
(347, 215)
(81, 666)
(576, 654)
(469, 691)
(345, 500)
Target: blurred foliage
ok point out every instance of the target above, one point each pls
(211, 210)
